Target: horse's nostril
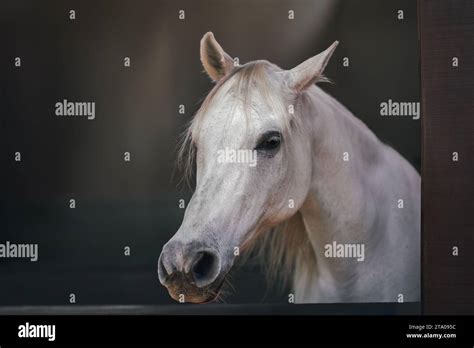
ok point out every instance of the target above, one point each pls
(205, 267)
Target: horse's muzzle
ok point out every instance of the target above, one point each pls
(190, 271)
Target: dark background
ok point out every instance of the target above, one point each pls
(135, 203)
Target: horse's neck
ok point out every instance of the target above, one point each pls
(336, 209)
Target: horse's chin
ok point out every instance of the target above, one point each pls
(193, 294)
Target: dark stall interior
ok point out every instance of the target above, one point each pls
(134, 204)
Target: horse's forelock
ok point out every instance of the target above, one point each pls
(242, 81)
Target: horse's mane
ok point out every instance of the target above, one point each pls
(286, 245)
(282, 250)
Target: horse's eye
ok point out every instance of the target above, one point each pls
(270, 142)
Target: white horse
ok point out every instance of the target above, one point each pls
(337, 210)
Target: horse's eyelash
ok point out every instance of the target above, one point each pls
(268, 135)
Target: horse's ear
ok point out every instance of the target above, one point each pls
(216, 62)
(311, 70)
